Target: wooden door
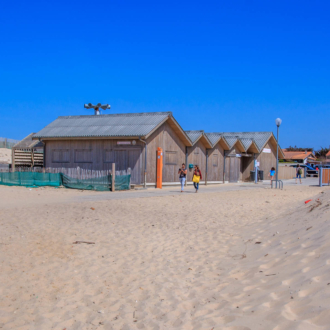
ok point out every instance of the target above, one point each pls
(234, 169)
(135, 165)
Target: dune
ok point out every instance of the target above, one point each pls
(233, 260)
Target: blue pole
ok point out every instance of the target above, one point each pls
(320, 176)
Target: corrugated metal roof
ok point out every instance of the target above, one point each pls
(194, 135)
(231, 140)
(27, 142)
(213, 137)
(260, 138)
(130, 124)
(246, 142)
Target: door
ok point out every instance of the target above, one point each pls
(134, 164)
(234, 169)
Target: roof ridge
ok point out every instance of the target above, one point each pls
(121, 114)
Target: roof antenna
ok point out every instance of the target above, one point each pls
(97, 107)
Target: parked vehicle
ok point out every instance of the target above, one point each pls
(310, 170)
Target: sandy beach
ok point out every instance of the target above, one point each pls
(236, 260)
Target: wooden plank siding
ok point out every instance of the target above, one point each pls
(266, 160)
(95, 154)
(233, 165)
(197, 156)
(174, 154)
(215, 164)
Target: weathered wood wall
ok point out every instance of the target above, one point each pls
(173, 157)
(197, 156)
(233, 165)
(284, 173)
(266, 160)
(325, 175)
(95, 155)
(215, 164)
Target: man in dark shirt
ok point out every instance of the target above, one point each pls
(182, 175)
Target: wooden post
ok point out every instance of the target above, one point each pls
(187, 167)
(32, 158)
(207, 161)
(113, 177)
(13, 159)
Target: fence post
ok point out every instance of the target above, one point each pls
(13, 159)
(320, 176)
(113, 177)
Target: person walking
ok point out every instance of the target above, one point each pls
(271, 174)
(197, 176)
(182, 175)
(298, 173)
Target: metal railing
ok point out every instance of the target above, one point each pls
(280, 183)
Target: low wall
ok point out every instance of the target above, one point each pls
(286, 172)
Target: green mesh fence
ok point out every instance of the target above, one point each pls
(122, 182)
(35, 179)
(29, 179)
(100, 184)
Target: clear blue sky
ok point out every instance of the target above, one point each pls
(217, 65)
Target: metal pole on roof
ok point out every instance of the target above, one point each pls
(278, 122)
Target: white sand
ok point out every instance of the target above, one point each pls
(187, 261)
(5, 156)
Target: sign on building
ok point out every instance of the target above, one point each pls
(124, 142)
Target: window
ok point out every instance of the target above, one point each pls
(171, 157)
(61, 155)
(215, 160)
(83, 156)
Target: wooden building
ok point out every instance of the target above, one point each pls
(28, 153)
(197, 153)
(250, 146)
(128, 140)
(216, 154)
(131, 141)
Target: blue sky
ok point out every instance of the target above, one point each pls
(217, 65)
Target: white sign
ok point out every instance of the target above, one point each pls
(267, 151)
(123, 142)
(258, 164)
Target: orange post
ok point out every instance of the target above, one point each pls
(159, 168)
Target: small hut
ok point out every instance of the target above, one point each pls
(28, 153)
(128, 140)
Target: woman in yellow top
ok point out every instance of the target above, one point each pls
(197, 176)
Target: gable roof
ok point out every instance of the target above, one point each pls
(260, 138)
(328, 154)
(253, 141)
(215, 138)
(195, 136)
(297, 154)
(112, 125)
(28, 142)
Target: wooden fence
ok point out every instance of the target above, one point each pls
(76, 173)
(325, 176)
(286, 172)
